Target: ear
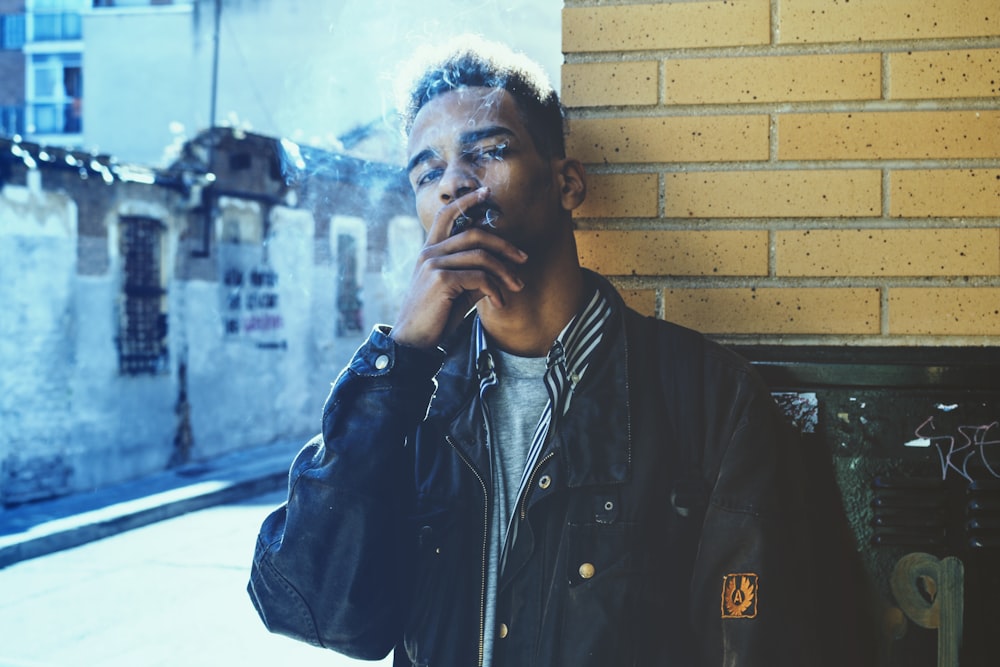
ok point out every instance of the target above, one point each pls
(572, 180)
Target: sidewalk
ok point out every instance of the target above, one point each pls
(37, 529)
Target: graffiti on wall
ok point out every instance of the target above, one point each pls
(959, 451)
(251, 305)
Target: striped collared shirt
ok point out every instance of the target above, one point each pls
(566, 364)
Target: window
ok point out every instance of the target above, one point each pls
(56, 20)
(12, 32)
(348, 287)
(55, 93)
(142, 330)
(240, 161)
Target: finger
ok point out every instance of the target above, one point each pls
(473, 285)
(446, 216)
(472, 240)
(478, 259)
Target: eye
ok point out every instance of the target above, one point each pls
(427, 176)
(495, 152)
(490, 152)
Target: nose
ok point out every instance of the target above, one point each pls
(456, 181)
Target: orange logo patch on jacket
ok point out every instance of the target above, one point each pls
(739, 595)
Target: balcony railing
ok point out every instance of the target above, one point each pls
(54, 118)
(55, 26)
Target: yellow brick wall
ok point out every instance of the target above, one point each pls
(793, 171)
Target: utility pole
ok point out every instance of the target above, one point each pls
(215, 62)
(208, 201)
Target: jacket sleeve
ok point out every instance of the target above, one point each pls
(330, 565)
(752, 585)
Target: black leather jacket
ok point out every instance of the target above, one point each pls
(660, 527)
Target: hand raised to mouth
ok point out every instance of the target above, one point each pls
(485, 215)
(461, 263)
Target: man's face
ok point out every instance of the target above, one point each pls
(474, 137)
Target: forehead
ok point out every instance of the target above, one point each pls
(446, 118)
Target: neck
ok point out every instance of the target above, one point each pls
(530, 321)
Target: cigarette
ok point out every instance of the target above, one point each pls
(461, 222)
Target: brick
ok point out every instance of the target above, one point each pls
(774, 194)
(776, 310)
(888, 252)
(669, 139)
(889, 135)
(681, 253)
(818, 21)
(958, 193)
(947, 311)
(621, 196)
(602, 84)
(774, 79)
(642, 300)
(944, 74)
(666, 26)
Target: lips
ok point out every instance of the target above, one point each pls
(481, 215)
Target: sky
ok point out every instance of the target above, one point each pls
(339, 74)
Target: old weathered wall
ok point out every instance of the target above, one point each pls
(38, 247)
(146, 326)
(793, 171)
(72, 420)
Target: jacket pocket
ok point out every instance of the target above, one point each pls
(429, 528)
(601, 594)
(442, 619)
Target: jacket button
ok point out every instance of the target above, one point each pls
(544, 481)
(587, 570)
(502, 630)
(381, 362)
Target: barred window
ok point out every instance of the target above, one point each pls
(142, 331)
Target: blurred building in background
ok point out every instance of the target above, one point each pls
(157, 316)
(12, 67)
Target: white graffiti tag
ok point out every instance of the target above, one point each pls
(956, 452)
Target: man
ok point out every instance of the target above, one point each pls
(523, 471)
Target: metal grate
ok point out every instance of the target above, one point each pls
(142, 344)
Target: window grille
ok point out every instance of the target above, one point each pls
(142, 339)
(348, 289)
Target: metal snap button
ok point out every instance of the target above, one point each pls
(503, 630)
(587, 570)
(381, 362)
(544, 481)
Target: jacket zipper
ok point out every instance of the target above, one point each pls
(531, 484)
(486, 526)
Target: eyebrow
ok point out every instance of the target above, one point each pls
(472, 136)
(422, 156)
(465, 139)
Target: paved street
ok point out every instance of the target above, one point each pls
(168, 594)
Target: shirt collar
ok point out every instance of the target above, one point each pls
(572, 349)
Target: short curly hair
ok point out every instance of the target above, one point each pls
(471, 61)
